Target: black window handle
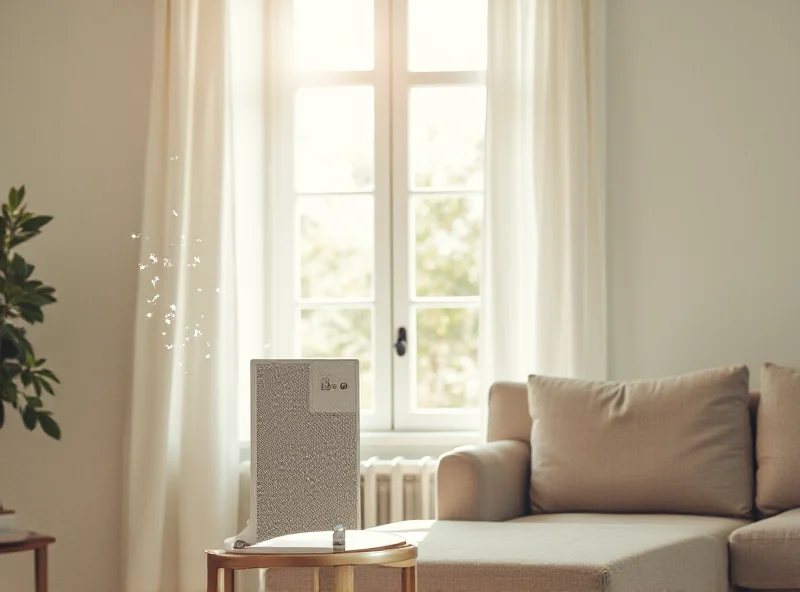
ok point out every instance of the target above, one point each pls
(402, 342)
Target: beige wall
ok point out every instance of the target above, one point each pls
(704, 184)
(74, 89)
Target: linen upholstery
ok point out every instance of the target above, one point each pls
(564, 552)
(778, 440)
(487, 482)
(508, 417)
(766, 554)
(680, 444)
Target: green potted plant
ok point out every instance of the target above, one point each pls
(23, 377)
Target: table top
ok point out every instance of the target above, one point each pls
(315, 549)
(12, 541)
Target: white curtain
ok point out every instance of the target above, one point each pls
(182, 446)
(544, 287)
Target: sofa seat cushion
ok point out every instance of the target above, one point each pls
(766, 554)
(565, 552)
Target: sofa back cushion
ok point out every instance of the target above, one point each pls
(680, 444)
(778, 441)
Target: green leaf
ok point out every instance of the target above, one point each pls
(20, 194)
(34, 402)
(19, 239)
(10, 370)
(8, 347)
(46, 386)
(37, 299)
(35, 223)
(9, 392)
(14, 197)
(31, 313)
(27, 379)
(18, 265)
(49, 425)
(2, 414)
(37, 386)
(29, 417)
(49, 374)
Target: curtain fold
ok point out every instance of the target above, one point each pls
(543, 283)
(181, 445)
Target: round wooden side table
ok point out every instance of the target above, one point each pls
(303, 550)
(30, 541)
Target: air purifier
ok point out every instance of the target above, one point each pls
(304, 449)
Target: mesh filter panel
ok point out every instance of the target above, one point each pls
(306, 446)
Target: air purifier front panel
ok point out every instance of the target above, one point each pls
(305, 447)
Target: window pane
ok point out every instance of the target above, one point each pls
(447, 238)
(334, 139)
(341, 333)
(446, 126)
(334, 34)
(447, 354)
(447, 35)
(336, 246)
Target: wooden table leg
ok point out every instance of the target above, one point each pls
(409, 578)
(343, 580)
(227, 578)
(212, 579)
(41, 569)
(316, 580)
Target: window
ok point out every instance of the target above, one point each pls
(385, 195)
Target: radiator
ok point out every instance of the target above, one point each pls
(398, 489)
(391, 490)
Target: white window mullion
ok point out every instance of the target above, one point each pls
(439, 78)
(408, 416)
(381, 418)
(338, 78)
(401, 240)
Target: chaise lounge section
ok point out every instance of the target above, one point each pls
(721, 533)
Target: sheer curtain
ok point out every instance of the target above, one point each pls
(544, 287)
(203, 241)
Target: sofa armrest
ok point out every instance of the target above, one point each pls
(490, 482)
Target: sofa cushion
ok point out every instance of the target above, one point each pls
(778, 440)
(565, 552)
(680, 444)
(766, 554)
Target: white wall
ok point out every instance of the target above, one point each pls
(704, 184)
(74, 91)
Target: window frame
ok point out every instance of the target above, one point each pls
(392, 303)
(406, 417)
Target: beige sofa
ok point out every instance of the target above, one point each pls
(486, 537)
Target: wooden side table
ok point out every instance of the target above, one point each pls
(31, 541)
(362, 548)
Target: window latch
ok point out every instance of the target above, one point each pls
(402, 342)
